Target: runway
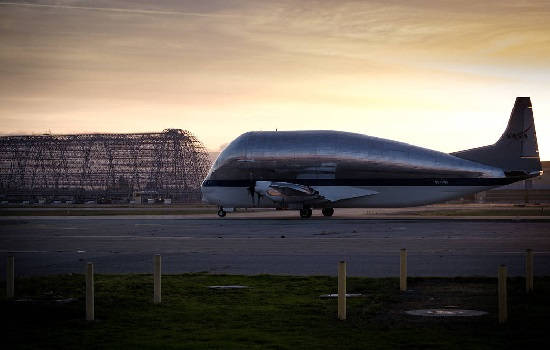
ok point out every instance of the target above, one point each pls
(268, 244)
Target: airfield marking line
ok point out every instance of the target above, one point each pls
(233, 238)
(132, 237)
(209, 217)
(23, 251)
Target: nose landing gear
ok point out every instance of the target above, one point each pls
(305, 213)
(221, 213)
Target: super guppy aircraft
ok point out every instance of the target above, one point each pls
(306, 170)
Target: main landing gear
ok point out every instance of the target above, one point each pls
(221, 213)
(306, 212)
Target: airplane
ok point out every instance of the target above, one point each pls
(325, 169)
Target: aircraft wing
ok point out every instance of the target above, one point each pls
(337, 193)
(285, 191)
(291, 192)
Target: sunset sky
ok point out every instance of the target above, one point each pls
(435, 73)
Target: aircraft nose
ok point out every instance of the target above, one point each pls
(203, 194)
(204, 191)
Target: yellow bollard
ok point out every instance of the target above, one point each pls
(529, 271)
(342, 290)
(157, 279)
(403, 271)
(502, 294)
(90, 316)
(10, 277)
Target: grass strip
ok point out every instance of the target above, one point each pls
(276, 312)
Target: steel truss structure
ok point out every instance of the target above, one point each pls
(102, 167)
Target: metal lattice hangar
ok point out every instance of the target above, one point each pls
(102, 168)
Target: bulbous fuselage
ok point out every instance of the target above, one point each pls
(334, 158)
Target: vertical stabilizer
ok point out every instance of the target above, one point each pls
(516, 152)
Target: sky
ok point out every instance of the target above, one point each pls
(433, 73)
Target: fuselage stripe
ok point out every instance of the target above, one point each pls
(374, 182)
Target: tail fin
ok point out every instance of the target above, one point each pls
(516, 152)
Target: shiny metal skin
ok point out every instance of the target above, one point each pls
(294, 155)
(328, 169)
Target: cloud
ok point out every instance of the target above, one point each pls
(117, 10)
(223, 67)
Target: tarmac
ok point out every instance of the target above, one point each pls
(275, 242)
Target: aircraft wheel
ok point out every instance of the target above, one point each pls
(221, 213)
(328, 211)
(305, 213)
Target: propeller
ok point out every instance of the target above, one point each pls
(253, 193)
